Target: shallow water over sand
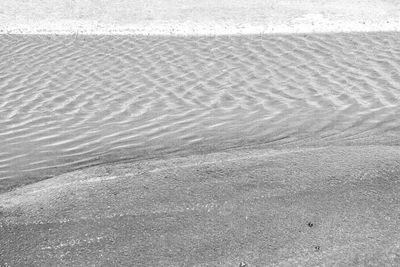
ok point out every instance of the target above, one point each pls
(70, 102)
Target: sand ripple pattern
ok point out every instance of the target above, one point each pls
(69, 102)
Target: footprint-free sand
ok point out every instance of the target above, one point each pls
(332, 206)
(207, 151)
(193, 17)
(71, 102)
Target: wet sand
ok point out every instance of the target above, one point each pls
(333, 206)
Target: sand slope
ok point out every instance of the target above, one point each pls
(67, 103)
(335, 206)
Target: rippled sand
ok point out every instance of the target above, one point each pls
(70, 102)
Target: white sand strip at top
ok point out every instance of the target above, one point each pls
(196, 17)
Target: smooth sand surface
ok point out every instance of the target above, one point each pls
(68, 103)
(188, 17)
(333, 206)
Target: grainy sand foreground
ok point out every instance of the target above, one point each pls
(335, 206)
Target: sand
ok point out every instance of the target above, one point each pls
(265, 150)
(68, 103)
(192, 17)
(333, 206)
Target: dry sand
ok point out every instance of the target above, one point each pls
(197, 17)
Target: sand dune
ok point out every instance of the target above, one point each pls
(67, 103)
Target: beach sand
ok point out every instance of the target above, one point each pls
(206, 151)
(192, 17)
(67, 103)
(332, 206)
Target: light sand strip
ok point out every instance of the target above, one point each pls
(168, 17)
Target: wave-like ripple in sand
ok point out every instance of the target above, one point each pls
(69, 102)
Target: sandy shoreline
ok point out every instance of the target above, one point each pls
(197, 17)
